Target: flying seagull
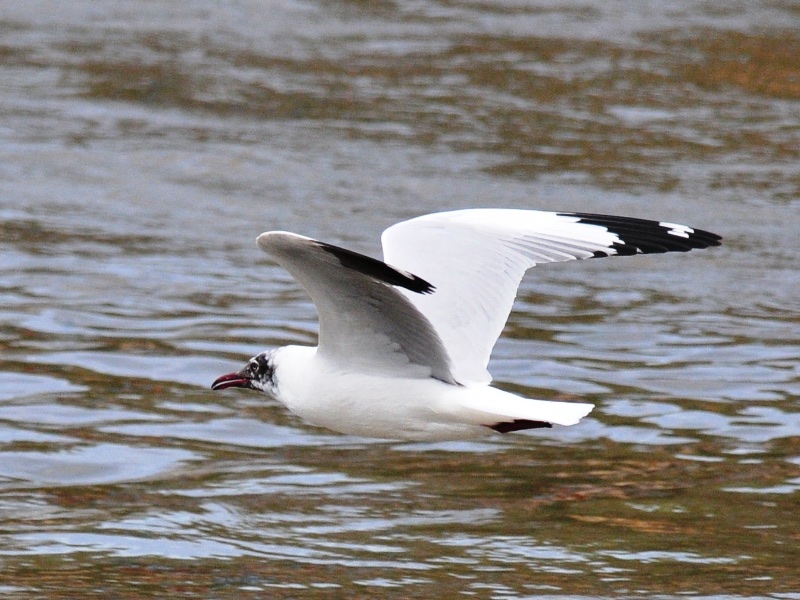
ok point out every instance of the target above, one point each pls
(404, 343)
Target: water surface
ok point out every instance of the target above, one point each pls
(143, 146)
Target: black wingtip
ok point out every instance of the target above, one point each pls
(378, 269)
(519, 425)
(643, 236)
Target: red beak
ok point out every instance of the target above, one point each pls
(231, 380)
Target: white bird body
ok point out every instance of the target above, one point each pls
(422, 409)
(404, 344)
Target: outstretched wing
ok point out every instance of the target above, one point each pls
(365, 324)
(476, 259)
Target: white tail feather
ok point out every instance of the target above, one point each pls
(489, 405)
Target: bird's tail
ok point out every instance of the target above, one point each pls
(490, 407)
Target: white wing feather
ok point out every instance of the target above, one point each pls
(476, 259)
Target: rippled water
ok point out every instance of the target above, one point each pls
(144, 145)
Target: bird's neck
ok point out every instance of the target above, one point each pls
(292, 369)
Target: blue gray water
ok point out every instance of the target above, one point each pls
(144, 146)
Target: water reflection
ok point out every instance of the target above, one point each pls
(141, 156)
(92, 465)
(19, 385)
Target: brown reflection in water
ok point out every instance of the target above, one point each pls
(607, 510)
(539, 105)
(765, 65)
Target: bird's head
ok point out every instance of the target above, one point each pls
(257, 374)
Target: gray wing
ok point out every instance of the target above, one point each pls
(365, 324)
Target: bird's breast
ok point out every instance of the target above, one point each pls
(367, 405)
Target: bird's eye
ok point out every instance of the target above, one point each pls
(253, 368)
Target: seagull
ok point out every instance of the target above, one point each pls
(404, 343)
